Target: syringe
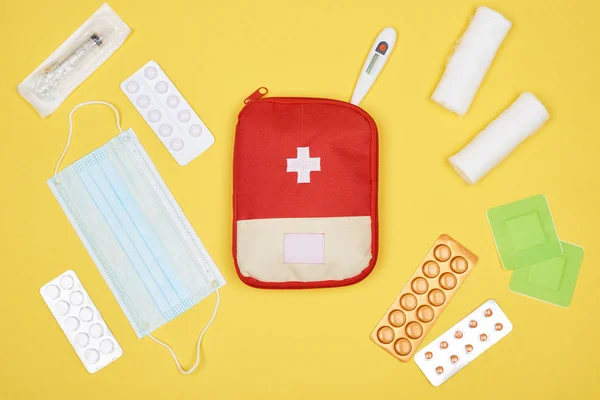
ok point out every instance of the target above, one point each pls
(74, 57)
(47, 80)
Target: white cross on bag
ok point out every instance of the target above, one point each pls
(303, 164)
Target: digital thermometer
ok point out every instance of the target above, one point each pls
(380, 52)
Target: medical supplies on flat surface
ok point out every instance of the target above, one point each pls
(305, 203)
(493, 144)
(81, 321)
(424, 297)
(136, 233)
(170, 116)
(470, 60)
(524, 232)
(378, 56)
(304, 193)
(74, 60)
(544, 267)
(552, 280)
(463, 343)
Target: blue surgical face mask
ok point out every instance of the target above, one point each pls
(136, 233)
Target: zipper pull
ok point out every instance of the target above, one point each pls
(258, 93)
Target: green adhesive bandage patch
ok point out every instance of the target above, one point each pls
(524, 232)
(552, 280)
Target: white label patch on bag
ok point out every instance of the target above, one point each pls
(303, 164)
(304, 248)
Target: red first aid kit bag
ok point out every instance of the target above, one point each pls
(304, 193)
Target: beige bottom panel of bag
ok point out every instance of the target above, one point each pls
(303, 249)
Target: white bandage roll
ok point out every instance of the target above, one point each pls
(471, 60)
(519, 121)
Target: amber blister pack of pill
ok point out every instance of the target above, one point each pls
(427, 293)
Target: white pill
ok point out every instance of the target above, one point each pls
(76, 298)
(86, 314)
(72, 323)
(184, 115)
(165, 130)
(81, 339)
(91, 355)
(173, 101)
(161, 87)
(96, 330)
(132, 86)
(62, 308)
(154, 116)
(107, 346)
(52, 292)
(66, 282)
(150, 72)
(143, 101)
(176, 144)
(195, 130)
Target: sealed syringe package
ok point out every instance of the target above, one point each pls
(74, 60)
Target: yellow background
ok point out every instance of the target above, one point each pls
(308, 344)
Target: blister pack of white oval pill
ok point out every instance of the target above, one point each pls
(81, 321)
(462, 343)
(167, 112)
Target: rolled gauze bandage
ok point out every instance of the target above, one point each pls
(471, 59)
(519, 121)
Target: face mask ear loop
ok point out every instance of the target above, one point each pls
(71, 126)
(189, 371)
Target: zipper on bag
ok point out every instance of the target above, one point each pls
(257, 94)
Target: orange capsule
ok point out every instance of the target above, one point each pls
(458, 334)
(488, 312)
(468, 348)
(439, 370)
(429, 355)
(454, 359)
(444, 345)
(483, 337)
(473, 324)
(498, 327)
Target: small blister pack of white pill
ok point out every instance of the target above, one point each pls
(167, 112)
(81, 321)
(462, 343)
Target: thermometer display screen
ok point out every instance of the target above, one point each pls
(372, 63)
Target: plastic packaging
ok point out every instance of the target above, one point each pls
(74, 60)
(424, 297)
(463, 343)
(167, 112)
(81, 321)
(493, 144)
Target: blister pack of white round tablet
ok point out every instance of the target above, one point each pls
(167, 112)
(463, 343)
(81, 321)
